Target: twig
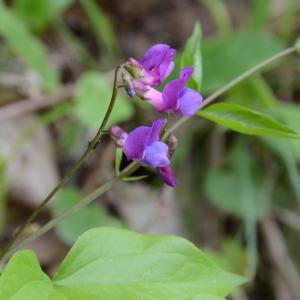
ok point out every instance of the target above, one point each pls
(279, 256)
(32, 104)
(288, 217)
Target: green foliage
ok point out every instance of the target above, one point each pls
(290, 113)
(260, 13)
(289, 160)
(118, 160)
(25, 45)
(102, 27)
(240, 188)
(113, 264)
(220, 14)
(297, 45)
(3, 191)
(40, 14)
(232, 256)
(92, 98)
(247, 121)
(88, 217)
(227, 57)
(23, 279)
(191, 56)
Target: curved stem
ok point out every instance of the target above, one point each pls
(133, 166)
(72, 171)
(83, 202)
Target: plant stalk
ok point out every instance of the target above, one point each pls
(72, 171)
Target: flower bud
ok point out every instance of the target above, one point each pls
(172, 143)
(127, 82)
(118, 135)
(134, 68)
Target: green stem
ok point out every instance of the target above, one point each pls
(133, 166)
(71, 172)
(83, 202)
(232, 83)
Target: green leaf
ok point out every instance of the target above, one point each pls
(115, 264)
(119, 264)
(29, 48)
(227, 57)
(260, 13)
(40, 14)
(247, 121)
(297, 45)
(220, 14)
(3, 192)
(285, 151)
(88, 217)
(92, 98)
(102, 26)
(289, 113)
(23, 279)
(135, 178)
(118, 160)
(191, 56)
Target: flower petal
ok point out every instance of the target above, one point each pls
(155, 98)
(186, 73)
(167, 66)
(136, 142)
(167, 174)
(156, 155)
(189, 102)
(155, 56)
(171, 94)
(156, 128)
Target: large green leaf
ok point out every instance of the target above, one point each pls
(90, 216)
(39, 14)
(117, 264)
(247, 121)
(25, 45)
(227, 57)
(191, 56)
(93, 94)
(23, 279)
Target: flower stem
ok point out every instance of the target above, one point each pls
(232, 83)
(131, 167)
(82, 203)
(72, 171)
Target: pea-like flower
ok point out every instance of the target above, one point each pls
(175, 97)
(155, 66)
(143, 145)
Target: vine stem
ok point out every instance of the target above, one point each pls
(133, 166)
(72, 171)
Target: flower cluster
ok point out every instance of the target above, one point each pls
(140, 78)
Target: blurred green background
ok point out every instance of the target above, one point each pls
(238, 196)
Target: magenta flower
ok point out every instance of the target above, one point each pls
(175, 98)
(143, 145)
(155, 66)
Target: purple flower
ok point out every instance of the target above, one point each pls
(155, 66)
(175, 98)
(143, 145)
